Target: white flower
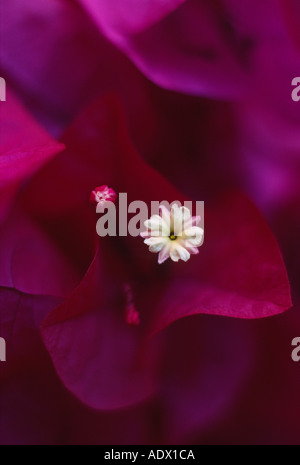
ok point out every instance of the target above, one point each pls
(174, 233)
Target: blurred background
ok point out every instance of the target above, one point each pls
(205, 87)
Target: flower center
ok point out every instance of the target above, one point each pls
(172, 236)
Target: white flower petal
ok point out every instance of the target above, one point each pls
(156, 247)
(155, 222)
(193, 250)
(196, 220)
(164, 253)
(179, 218)
(157, 226)
(192, 221)
(178, 252)
(156, 243)
(174, 255)
(166, 217)
(194, 235)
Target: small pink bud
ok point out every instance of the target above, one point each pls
(102, 194)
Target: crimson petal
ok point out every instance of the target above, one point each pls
(24, 148)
